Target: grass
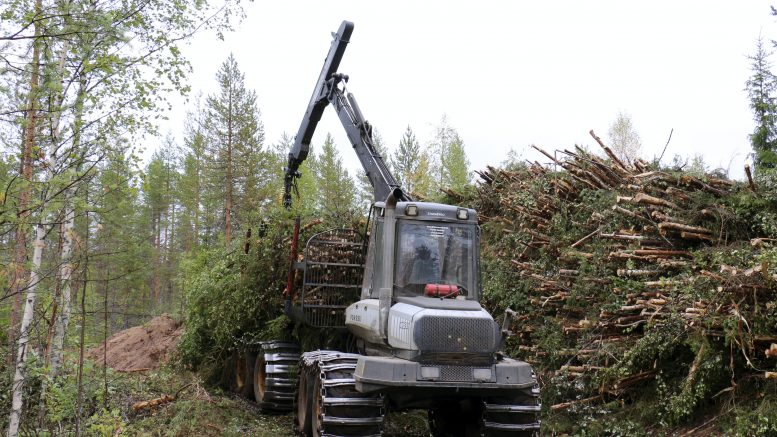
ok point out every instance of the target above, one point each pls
(205, 411)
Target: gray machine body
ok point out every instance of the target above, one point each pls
(439, 344)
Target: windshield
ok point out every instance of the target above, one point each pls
(435, 259)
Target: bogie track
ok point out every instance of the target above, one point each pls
(275, 375)
(517, 415)
(328, 403)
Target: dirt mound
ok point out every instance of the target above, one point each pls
(140, 347)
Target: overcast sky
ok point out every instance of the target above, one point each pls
(507, 74)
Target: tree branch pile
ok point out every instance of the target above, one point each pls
(623, 272)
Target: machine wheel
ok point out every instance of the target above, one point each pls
(460, 419)
(304, 412)
(275, 375)
(336, 408)
(516, 415)
(242, 383)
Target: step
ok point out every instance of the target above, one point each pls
(513, 408)
(512, 426)
(351, 420)
(365, 402)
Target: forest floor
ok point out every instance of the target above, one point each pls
(154, 395)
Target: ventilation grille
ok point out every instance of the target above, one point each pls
(434, 334)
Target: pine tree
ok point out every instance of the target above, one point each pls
(191, 181)
(761, 88)
(235, 137)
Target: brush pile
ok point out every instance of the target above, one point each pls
(636, 286)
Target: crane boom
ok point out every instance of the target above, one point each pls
(328, 90)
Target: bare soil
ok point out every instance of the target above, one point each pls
(141, 347)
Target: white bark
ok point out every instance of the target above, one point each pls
(65, 274)
(66, 267)
(24, 331)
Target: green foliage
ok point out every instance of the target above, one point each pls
(684, 373)
(757, 418)
(336, 189)
(411, 165)
(761, 88)
(451, 159)
(231, 296)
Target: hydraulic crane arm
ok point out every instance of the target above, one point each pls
(330, 89)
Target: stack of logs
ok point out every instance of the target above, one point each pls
(660, 249)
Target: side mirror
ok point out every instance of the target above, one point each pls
(509, 315)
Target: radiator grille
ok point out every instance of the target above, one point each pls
(434, 334)
(456, 373)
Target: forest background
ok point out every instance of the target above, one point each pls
(96, 237)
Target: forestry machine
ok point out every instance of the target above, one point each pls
(411, 305)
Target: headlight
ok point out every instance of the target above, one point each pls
(428, 372)
(481, 374)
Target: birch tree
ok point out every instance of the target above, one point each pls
(624, 139)
(118, 59)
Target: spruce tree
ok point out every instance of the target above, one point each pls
(405, 159)
(761, 88)
(336, 189)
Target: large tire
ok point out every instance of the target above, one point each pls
(243, 383)
(457, 419)
(303, 417)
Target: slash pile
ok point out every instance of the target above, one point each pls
(642, 290)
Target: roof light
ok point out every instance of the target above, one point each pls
(462, 214)
(411, 210)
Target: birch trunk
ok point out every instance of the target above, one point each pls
(61, 318)
(65, 273)
(65, 267)
(24, 331)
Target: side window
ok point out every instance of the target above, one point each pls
(377, 269)
(371, 264)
